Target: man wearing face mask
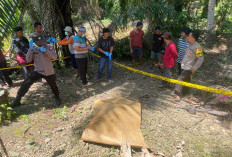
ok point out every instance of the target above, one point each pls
(81, 53)
(42, 54)
(68, 40)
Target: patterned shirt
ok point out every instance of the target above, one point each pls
(81, 43)
(182, 45)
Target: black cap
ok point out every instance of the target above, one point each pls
(139, 24)
(157, 28)
(37, 37)
(106, 30)
(18, 29)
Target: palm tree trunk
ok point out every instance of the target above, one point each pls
(210, 19)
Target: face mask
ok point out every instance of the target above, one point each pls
(66, 33)
(83, 36)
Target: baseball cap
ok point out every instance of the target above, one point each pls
(167, 35)
(37, 37)
(82, 29)
(68, 29)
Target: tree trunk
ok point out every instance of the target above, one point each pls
(210, 19)
(65, 13)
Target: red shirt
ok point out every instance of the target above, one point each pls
(2, 57)
(136, 38)
(170, 55)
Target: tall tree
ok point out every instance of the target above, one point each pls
(210, 19)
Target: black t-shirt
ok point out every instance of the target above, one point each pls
(105, 45)
(158, 45)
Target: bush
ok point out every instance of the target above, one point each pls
(6, 113)
(122, 48)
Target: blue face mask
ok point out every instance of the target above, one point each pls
(66, 33)
(83, 35)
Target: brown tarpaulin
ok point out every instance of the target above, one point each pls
(115, 120)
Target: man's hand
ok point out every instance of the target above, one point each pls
(131, 50)
(88, 47)
(193, 71)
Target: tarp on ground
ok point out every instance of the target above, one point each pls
(115, 120)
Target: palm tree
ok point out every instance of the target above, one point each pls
(210, 19)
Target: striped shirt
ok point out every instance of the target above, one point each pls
(182, 45)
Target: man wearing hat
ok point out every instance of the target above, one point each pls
(21, 47)
(136, 44)
(68, 40)
(170, 55)
(81, 53)
(158, 48)
(42, 54)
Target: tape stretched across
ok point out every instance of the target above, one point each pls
(28, 65)
(200, 87)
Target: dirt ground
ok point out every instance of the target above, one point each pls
(43, 130)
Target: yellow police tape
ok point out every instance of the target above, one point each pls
(28, 65)
(208, 89)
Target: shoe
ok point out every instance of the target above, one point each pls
(58, 101)
(178, 99)
(88, 84)
(173, 94)
(16, 103)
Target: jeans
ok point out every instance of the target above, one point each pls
(82, 64)
(5, 73)
(103, 62)
(51, 80)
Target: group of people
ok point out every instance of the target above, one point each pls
(40, 52)
(189, 55)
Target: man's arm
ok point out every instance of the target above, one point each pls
(51, 54)
(29, 56)
(130, 41)
(65, 41)
(77, 48)
(17, 49)
(200, 59)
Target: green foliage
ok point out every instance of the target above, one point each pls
(6, 113)
(9, 14)
(60, 113)
(122, 48)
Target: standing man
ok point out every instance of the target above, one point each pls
(21, 47)
(158, 48)
(42, 54)
(106, 48)
(81, 54)
(5, 73)
(192, 60)
(68, 40)
(136, 44)
(170, 55)
(182, 45)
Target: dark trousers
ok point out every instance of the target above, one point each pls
(186, 77)
(179, 69)
(82, 64)
(51, 80)
(27, 71)
(5, 74)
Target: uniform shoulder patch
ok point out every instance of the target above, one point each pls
(199, 51)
